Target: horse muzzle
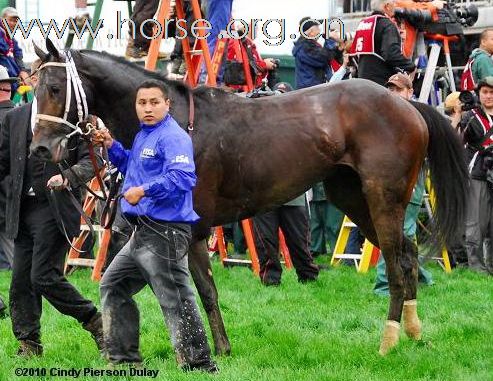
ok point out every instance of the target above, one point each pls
(42, 153)
(49, 151)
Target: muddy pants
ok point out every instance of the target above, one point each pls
(155, 255)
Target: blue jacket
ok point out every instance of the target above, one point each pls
(312, 62)
(161, 161)
(13, 64)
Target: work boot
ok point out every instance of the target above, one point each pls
(95, 327)
(208, 366)
(29, 348)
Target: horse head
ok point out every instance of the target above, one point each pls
(62, 103)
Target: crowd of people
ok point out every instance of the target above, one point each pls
(158, 206)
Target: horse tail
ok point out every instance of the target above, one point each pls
(449, 175)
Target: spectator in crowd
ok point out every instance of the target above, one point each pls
(218, 14)
(453, 110)
(312, 60)
(452, 107)
(259, 67)
(6, 244)
(11, 55)
(477, 127)
(343, 70)
(40, 244)
(157, 201)
(292, 218)
(401, 85)
(480, 64)
(325, 222)
(377, 45)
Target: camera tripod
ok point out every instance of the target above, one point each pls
(436, 42)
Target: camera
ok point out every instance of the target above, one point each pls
(469, 100)
(467, 15)
(277, 63)
(415, 17)
(449, 20)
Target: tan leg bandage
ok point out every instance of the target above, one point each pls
(412, 324)
(390, 336)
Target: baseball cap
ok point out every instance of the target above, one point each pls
(5, 77)
(400, 80)
(486, 81)
(452, 100)
(308, 22)
(10, 12)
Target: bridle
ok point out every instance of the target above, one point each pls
(73, 81)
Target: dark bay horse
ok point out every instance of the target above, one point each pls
(364, 143)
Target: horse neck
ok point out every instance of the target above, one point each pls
(113, 84)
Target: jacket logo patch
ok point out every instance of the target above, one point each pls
(181, 159)
(147, 152)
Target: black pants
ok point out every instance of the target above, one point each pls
(293, 220)
(39, 256)
(143, 10)
(155, 255)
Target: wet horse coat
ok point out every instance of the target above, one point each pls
(251, 155)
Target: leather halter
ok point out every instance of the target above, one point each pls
(73, 80)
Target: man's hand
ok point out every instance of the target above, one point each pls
(57, 182)
(335, 35)
(269, 63)
(133, 195)
(102, 136)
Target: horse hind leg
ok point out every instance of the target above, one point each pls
(388, 220)
(201, 271)
(409, 264)
(382, 224)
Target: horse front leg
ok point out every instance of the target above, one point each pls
(201, 271)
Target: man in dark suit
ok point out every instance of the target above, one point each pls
(6, 244)
(36, 223)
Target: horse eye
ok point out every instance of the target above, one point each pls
(54, 89)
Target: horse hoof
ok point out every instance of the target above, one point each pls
(223, 350)
(390, 337)
(412, 324)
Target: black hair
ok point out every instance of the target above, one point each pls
(153, 84)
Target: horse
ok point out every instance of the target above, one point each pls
(365, 144)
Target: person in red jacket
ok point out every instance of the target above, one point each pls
(260, 67)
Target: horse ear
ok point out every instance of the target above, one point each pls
(52, 49)
(40, 53)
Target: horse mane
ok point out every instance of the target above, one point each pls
(178, 85)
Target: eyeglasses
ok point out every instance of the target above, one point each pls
(6, 90)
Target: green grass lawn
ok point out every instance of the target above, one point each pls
(328, 330)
